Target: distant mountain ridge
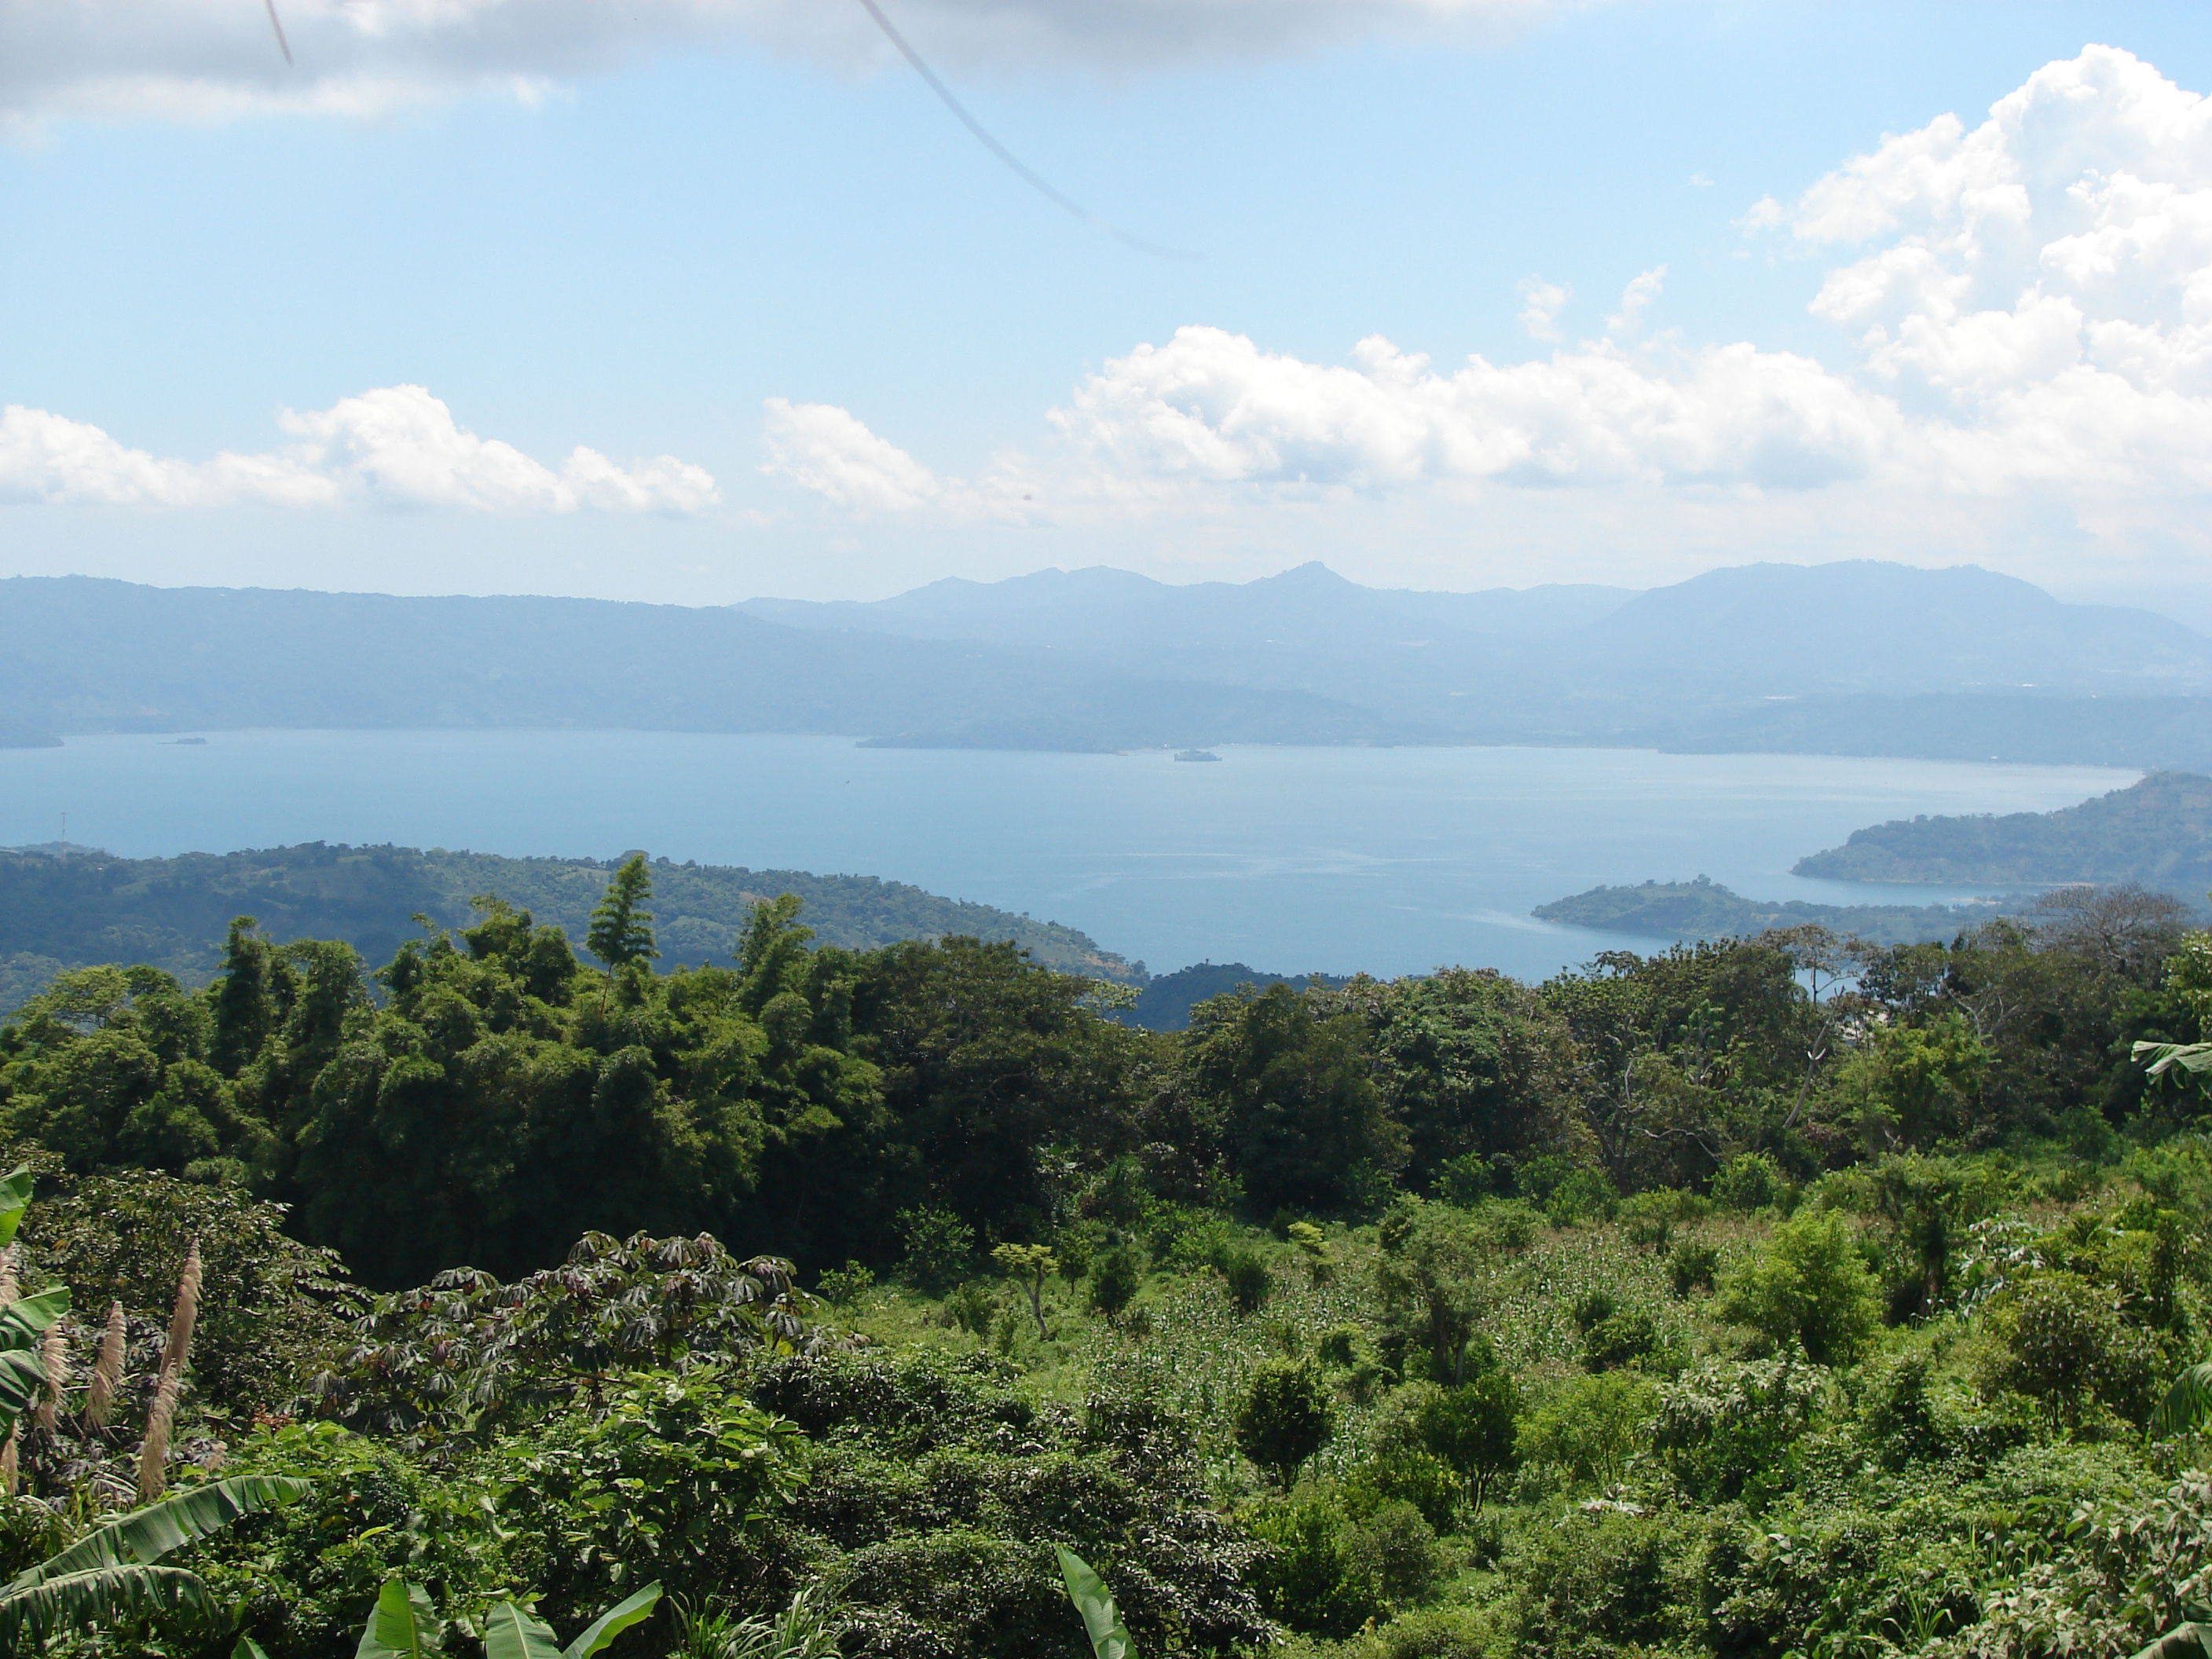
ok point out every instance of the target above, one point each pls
(1857, 658)
(72, 908)
(2157, 832)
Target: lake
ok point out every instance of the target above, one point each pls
(1393, 860)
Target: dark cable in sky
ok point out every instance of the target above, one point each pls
(275, 22)
(1042, 187)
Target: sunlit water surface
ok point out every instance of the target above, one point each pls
(1393, 860)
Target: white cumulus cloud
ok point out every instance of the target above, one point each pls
(395, 446)
(823, 449)
(2022, 305)
(214, 60)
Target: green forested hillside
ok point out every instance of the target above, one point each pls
(69, 908)
(2157, 832)
(1758, 1297)
(1703, 909)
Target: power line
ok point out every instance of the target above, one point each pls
(1043, 186)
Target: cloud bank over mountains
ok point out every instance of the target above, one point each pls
(217, 59)
(394, 446)
(2022, 306)
(2021, 316)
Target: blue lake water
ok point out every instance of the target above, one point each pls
(1393, 860)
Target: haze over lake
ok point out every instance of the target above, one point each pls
(1391, 861)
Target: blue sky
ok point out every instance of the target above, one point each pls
(731, 204)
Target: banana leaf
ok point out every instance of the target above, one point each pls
(2188, 1403)
(148, 1534)
(15, 1199)
(2189, 1641)
(2158, 1058)
(631, 1610)
(1102, 1622)
(32, 1614)
(401, 1626)
(513, 1632)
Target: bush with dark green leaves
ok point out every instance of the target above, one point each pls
(936, 1489)
(1727, 1430)
(1589, 1583)
(1807, 1289)
(1284, 1417)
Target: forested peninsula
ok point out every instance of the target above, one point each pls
(69, 907)
(1703, 909)
(1760, 1297)
(2157, 832)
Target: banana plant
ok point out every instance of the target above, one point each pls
(1101, 1621)
(110, 1575)
(23, 1323)
(2189, 1641)
(2157, 1059)
(2188, 1403)
(402, 1626)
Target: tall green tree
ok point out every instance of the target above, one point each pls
(621, 927)
(1289, 1076)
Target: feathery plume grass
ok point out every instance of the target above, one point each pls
(154, 1452)
(106, 1369)
(9, 1476)
(9, 1290)
(178, 1349)
(53, 1359)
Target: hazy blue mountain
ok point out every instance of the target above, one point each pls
(80, 654)
(1758, 656)
(1854, 658)
(71, 907)
(1099, 609)
(1767, 630)
(2157, 832)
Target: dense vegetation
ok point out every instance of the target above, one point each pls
(1758, 1297)
(1703, 909)
(71, 908)
(2157, 832)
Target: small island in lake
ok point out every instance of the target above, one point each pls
(1196, 755)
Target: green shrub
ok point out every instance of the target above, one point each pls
(1469, 1428)
(1630, 1338)
(938, 1247)
(1284, 1417)
(973, 1307)
(1408, 1473)
(1329, 1572)
(1749, 1182)
(1429, 1633)
(1310, 1578)
(1595, 1583)
(1589, 1427)
(1250, 1283)
(1809, 1288)
(2063, 1342)
(1727, 1429)
(1692, 1266)
(1115, 1276)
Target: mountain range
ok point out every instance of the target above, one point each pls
(1858, 656)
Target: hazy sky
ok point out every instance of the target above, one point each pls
(698, 299)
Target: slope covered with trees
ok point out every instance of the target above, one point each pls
(71, 908)
(1760, 1296)
(2157, 832)
(1703, 909)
